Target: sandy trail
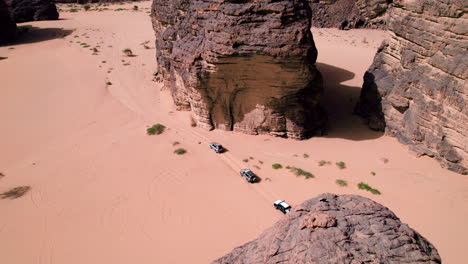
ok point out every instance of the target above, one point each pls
(105, 192)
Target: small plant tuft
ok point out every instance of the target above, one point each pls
(261, 162)
(86, 7)
(305, 155)
(367, 187)
(135, 8)
(180, 151)
(277, 166)
(108, 83)
(373, 173)
(341, 165)
(156, 129)
(245, 160)
(341, 183)
(300, 172)
(323, 163)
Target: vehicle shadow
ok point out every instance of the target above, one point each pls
(30, 34)
(339, 101)
(3, 58)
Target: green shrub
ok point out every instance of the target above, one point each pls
(367, 187)
(341, 165)
(277, 166)
(300, 172)
(86, 7)
(73, 10)
(156, 129)
(180, 151)
(341, 183)
(305, 155)
(323, 163)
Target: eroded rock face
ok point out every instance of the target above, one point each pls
(336, 229)
(7, 27)
(416, 89)
(32, 10)
(241, 65)
(346, 14)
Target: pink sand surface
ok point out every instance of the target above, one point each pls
(102, 191)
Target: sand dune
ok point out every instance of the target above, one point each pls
(102, 191)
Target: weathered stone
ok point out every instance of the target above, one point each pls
(346, 14)
(416, 88)
(7, 27)
(336, 229)
(241, 65)
(32, 10)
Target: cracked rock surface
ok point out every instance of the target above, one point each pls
(336, 229)
(416, 89)
(241, 65)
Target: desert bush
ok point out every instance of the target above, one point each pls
(341, 165)
(73, 10)
(108, 83)
(367, 187)
(86, 7)
(323, 163)
(341, 183)
(135, 8)
(373, 173)
(300, 172)
(245, 160)
(305, 155)
(128, 52)
(15, 192)
(261, 162)
(276, 166)
(156, 129)
(180, 151)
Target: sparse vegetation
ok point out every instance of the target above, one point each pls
(261, 162)
(15, 192)
(180, 151)
(108, 83)
(341, 165)
(267, 179)
(135, 8)
(300, 172)
(341, 183)
(277, 166)
(373, 173)
(156, 129)
(367, 187)
(128, 53)
(175, 143)
(323, 163)
(73, 10)
(120, 9)
(251, 158)
(193, 123)
(245, 160)
(86, 7)
(305, 155)
(256, 166)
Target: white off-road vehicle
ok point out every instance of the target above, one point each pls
(282, 206)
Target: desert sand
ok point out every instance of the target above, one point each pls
(103, 191)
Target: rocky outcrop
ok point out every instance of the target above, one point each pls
(32, 10)
(7, 27)
(241, 65)
(416, 88)
(336, 229)
(346, 14)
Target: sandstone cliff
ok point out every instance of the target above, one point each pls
(32, 10)
(416, 89)
(345, 14)
(7, 27)
(336, 229)
(241, 65)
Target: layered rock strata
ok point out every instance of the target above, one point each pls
(336, 229)
(346, 14)
(241, 65)
(416, 88)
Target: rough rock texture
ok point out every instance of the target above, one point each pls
(7, 27)
(416, 88)
(336, 229)
(93, 1)
(345, 14)
(32, 10)
(241, 65)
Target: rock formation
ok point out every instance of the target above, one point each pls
(416, 88)
(345, 14)
(336, 229)
(32, 10)
(7, 27)
(241, 65)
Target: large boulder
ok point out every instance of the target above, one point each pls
(241, 65)
(336, 229)
(346, 14)
(32, 10)
(7, 26)
(416, 88)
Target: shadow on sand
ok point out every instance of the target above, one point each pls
(30, 34)
(339, 101)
